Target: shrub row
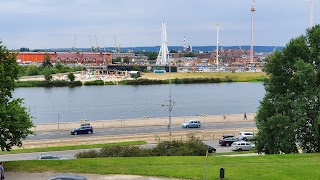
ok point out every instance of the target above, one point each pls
(175, 81)
(94, 83)
(192, 147)
(47, 83)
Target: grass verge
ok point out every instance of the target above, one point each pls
(291, 166)
(63, 148)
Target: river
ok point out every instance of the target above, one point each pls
(50, 105)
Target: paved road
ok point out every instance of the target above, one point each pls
(70, 153)
(137, 130)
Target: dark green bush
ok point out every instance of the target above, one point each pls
(94, 83)
(109, 83)
(47, 83)
(192, 147)
(87, 154)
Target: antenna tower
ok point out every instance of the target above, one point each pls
(91, 47)
(74, 43)
(163, 53)
(98, 48)
(217, 57)
(184, 43)
(252, 31)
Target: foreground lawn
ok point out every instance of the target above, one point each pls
(236, 77)
(63, 148)
(297, 166)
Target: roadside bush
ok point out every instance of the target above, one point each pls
(192, 147)
(87, 154)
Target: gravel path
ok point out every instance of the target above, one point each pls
(46, 175)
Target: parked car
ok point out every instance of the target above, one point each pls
(68, 177)
(227, 141)
(191, 123)
(50, 157)
(242, 146)
(227, 136)
(83, 129)
(211, 149)
(245, 136)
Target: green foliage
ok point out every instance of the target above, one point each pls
(71, 77)
(126, 60)
(46, 61)
(48, 83)
(152, 55)
(116, 60)
(189, 54)
(192, 147)
(15, 120)
(94, 83)
(288, 114)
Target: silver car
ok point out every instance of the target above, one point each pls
(242, 146)
(50, 157)
(68, 177)
(191, 123)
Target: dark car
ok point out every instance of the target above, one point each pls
(68, 177)
(227, 141)
(211, 149)
(50, 157)
(83, 129)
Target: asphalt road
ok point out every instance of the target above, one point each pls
(139, 130)
(69, 154)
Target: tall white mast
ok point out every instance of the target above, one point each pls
(252, 31)
(311, 14)
(163, 53)
(217, 57)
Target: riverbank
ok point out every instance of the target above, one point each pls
(161, 121)
(145, 79)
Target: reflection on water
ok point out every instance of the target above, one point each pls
(111, 102)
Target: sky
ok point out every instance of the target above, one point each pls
(134, 23)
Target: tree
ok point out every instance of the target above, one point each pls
(47, 74)
(117, 60)
(126, 60)
(15, 121)
(152, 55)
(189, 54)
(71, 77)
(46, 61)
(289, 113)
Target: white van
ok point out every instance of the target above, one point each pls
(242, 146)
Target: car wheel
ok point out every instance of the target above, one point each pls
(245, 139)
(187, 126)
(91, 132)
(239, 149)
(75, 133)
(227, 144)
(198, 126)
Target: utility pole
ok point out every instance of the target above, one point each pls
(170, 100)
(252, 31)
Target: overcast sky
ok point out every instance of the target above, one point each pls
(54, 23)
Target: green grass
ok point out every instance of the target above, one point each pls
(63, 148)
(291, 166)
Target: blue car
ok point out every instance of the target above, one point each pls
(193, 123)
(83, 129)
(68, 177)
